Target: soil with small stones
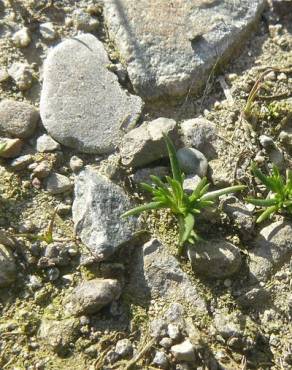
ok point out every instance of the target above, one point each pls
(29, 208)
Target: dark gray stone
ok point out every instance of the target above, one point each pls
(97, 210)
(192, 161)
(82, 104)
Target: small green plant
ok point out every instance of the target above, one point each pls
(172, 196)
(279, 198)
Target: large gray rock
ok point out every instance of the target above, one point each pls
(17, 119)
(170, 47)
(97, 211)
(82, 104)
(7, 266)
(90, 296)
(215, 258)
(272, 248)
(145, 144)
(157, 274)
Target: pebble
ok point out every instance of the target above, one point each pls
(173, 331)
(166, 342)
(57, 183)
(84, 21)
(124, 347)
(184, 351)
(48, 31)
(42, 169)
(282, 77)
(46, 143)
(11, 149)
(20, 163)
(53, 273)
(161, 360)
(4, 75)
(76, 163)
(21, 38)
(192, 161)
(21, 74)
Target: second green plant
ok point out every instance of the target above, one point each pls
(171, 195)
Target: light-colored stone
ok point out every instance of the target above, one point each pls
(90, 296)
(41, 170)
(7, 267)
(84, 21)
(82, 104)
(160, 359)
(21, 162)
(192, 161)
(190, 183)
(57, 183)
(45, 143)
(272, 248)
(145, 144)
(215, 258)
(202, 135)
(58, 334)
(97, 211)
(157, 274)
(21, 74)
(76, 163)
(11, 147)
(48, 31)
(184, 351)
(21, 38)
(124, 347)
(178, 53)
(17, 119)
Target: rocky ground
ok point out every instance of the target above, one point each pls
(82, 288)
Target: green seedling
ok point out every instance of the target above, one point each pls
(279, 198)
(171, 195)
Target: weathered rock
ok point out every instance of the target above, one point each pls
(256, 298)
(202, 135)
(21, 74)
(240, 215)
(124, 347)
(17, 119)
(145, 144)
(97, 211)
(47, 144)
(173, 58)
(21, 162)
(42, 169)
(11, 149)
(219, 174)
(190, 183)
(184, 351)
(84, 21)
(7, 267)
(48, 31)
(192, 161)
(58, 184)
(21, 38)
(90, 296)
(156, 273)
(229, 325)
(272, 248)
(76, 163)
(143, 174)
(215, 258)
(160, 359)
(82, 104)
(58, 334)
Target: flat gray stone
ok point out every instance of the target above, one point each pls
(157, 274)
(82, 104)
(97, 210)
(58, 184)
(17, 119)
(170, 46)
(272, 248)
(45, 143)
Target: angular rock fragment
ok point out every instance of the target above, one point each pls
(272, 248)
(90, 296)
(145, 144)
(173, 58)
(97, 210)
(82, 104)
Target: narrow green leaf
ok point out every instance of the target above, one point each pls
(197, 191)
(263, 178)
(262, 202)
(267, 213)
(175, 169)
(217, 193)
(142, 208)
(147, 187)
(188, 226)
